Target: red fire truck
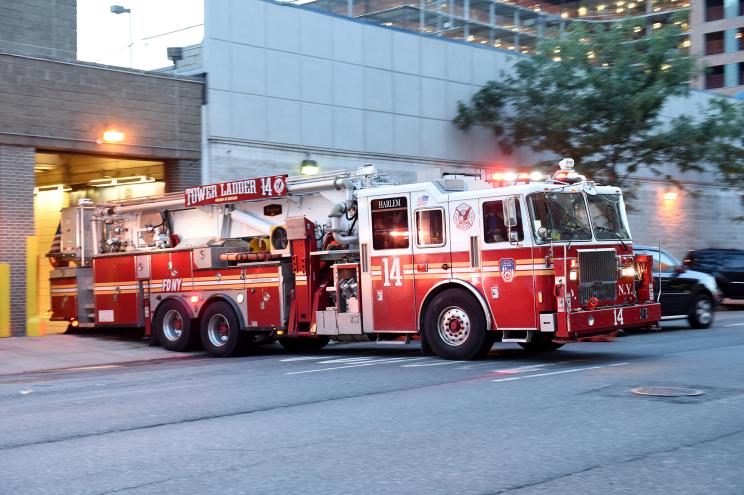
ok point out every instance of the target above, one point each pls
(460, 262)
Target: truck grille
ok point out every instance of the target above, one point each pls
(597, 275)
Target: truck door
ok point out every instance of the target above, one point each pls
(507, 266)
(391, 264)
(432, 259)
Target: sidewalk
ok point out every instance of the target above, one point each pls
(26, 354)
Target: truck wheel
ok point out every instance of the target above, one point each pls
(172, 326)
(541, 344)
(701, 315)
(455, 326)
(220, 330)
(304, 344)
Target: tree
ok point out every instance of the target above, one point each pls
(596, 95)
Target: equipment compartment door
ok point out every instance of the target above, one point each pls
(508, 278)
(391, 264)
(118, 298)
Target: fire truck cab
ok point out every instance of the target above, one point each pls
(459, 262)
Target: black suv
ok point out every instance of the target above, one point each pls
(726, 265)
(685, 294)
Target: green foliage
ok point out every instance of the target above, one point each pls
(596, 96)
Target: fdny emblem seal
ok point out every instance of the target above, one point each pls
(279, 184)
(506, 267)
(464, 216)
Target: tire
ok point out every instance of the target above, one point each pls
(304, 344)
(702, 312)
(455, 326)
(172, 327)
(220, 332)
(541, 344)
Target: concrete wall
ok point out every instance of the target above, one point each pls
(285, 78)
(46, 28)
(286, 81)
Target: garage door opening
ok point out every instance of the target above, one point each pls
(63, 180)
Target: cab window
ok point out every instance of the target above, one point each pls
(430, 228)
(494, 225)
(390, 223)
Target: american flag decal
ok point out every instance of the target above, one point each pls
(56, 242)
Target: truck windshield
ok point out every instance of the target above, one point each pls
(607, 220)
(559, 217)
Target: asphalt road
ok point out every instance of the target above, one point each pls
(383, 419)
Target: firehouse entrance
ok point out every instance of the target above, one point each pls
(63, 179)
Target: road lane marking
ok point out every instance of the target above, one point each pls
(303, 358)
(351, 360)
(560, 372)
(89, 368)
(734, 325)
(418, 365)
(358, 365)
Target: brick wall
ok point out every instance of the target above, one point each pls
(16, 223)
(181, 174)
(46, 28)
(65, 105)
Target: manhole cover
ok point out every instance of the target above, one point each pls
(667, 391)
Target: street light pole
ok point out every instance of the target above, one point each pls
(118, 9)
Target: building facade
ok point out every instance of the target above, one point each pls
(54, 111)
(717, 37)
(302, 82)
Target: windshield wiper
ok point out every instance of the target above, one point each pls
(617, 235)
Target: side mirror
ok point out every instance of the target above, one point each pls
(680, 269)
(513, 236)
(542, 233)
(511, 212)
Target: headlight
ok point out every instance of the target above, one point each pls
(628, 272)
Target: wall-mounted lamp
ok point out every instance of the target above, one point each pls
(309, 167)
(112, 136)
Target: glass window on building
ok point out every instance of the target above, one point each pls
(740, 32)
(741, 73)
(714, 77)
(713, 10)
(714, 43)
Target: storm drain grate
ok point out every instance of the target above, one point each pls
(667, 391)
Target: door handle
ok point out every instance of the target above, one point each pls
(445, 266)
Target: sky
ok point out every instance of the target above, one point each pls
(103, 37)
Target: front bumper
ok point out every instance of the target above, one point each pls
(575, 325)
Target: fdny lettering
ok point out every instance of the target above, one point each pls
(386, 204)
(172, 284)
(241, 190)
(625, 289)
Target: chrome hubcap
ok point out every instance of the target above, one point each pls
(172, 325)
(453, 326)
(703, 311)
(218, 330)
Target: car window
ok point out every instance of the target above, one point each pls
(494, 226)
(667, 263)
(704, 261)
(733, 262)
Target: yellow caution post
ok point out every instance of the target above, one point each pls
(4, 300)
(33, 322)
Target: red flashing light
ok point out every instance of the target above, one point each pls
(74, 323)
(194, 299)
(592, 303)
(498, 176)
